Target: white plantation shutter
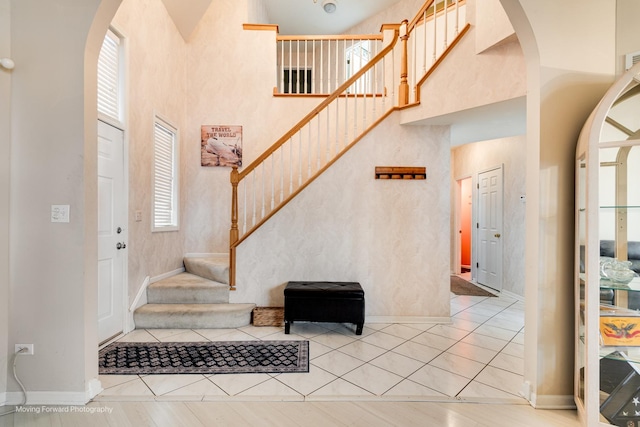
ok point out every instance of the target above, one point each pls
(165, 182)
(109, 76)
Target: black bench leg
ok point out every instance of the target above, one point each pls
(287, 326)
(359, 328)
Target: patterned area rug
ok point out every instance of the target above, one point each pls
(459, 286)
(221, 357)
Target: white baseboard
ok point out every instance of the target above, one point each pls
(94, 387)
(512, 295)
(553, 401)
(3, 398)
(163, 276)
(205, 255)
(138, 301)
(48, 398)
(407, 319)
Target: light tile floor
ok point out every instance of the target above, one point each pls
(478, 357)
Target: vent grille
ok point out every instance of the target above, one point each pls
(631, 59)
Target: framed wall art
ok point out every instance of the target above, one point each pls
(221, 145)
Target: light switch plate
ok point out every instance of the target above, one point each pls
(59, 213)
(138, 216)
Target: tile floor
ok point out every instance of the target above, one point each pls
(478, 357)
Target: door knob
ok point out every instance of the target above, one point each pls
(497, 235)
(118, 246)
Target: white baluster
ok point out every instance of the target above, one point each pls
(457, 15)
(318, 144)
(321, 66)
(434, 32)
(297, 88)
(337, 62)
(336, 124)
(346, 117)
(309, 150)
(273, 185)
(290, 66)
(280, 78)
(300, 157)
(253, 189)
(328, 137)
(244, 207)
(329, 90)
(424, 32)
(446, 24)
(263, 191)
(281, 174)
(291, 165)
(355, 113)
(313, 61)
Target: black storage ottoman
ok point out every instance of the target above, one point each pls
(339, 302)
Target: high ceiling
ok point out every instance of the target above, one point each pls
(308, 16)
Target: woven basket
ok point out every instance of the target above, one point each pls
(268, 316)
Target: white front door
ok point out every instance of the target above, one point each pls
(489, 264)
(112, 233)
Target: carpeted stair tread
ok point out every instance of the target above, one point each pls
(186, 288)
(214, 268)
(193, 316)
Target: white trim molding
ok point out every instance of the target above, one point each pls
(553, 401)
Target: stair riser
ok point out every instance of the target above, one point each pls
(186, 296)
(191, 321)
(208, 270)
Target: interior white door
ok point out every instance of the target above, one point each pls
(112, 221)
(489, 263)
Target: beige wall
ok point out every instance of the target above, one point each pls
(5, 167)
(493, 24)
(470, 159)
(570, 62)
(228, 86)
(157, 85)
(627, 36)
(52, 286)
(347, 226)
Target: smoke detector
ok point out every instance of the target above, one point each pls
(329, 6)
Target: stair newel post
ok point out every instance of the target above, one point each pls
(403, 91)
(233, 234)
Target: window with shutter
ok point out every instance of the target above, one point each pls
(165, 177)
(109, 77)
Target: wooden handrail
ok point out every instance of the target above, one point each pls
(312, 178)
(406, 28)
(439, 60)
(419, 15)
(344, 86)
(334, 37)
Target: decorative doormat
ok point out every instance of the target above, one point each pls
(459, 286)
(220, 357)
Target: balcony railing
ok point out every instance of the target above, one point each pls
(318, 65)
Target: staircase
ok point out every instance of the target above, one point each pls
(195, 299)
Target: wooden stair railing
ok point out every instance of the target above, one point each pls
(309, 148)
(332, 128)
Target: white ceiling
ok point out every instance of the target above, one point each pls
(308, 17)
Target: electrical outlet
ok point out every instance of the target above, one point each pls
(29, 348)
(138, 216)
